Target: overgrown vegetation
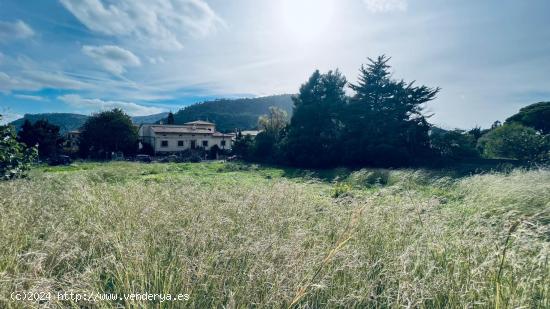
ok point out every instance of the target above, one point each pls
(383, 124)
(43, 135)
(237, 235)
(15, 157)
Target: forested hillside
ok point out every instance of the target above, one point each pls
(65, 121)
(68, 122)
(231, 114)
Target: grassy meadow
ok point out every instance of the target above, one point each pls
(234, 236)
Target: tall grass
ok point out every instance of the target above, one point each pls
(240, 237)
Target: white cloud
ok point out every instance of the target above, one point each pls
(161, 23)
(156, 60)
(98, 104)
(112, 58)
(53, 80)
(386, 5)
(36, 80)
(8, 117)
(29, 97)
(15, 30)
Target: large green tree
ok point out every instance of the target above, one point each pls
(385, 124)
(536, 116)
(15, 157)
(514, 141)
(315, 131)
(43, 134)
(107, 132)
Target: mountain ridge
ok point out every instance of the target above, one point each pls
(227, 114)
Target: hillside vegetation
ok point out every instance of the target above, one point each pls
(231, 114)
(69, 122)
(237, 235)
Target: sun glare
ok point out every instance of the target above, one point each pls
(306, 20)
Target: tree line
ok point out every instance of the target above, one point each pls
(383, 124)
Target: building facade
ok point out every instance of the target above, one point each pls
(176, 138)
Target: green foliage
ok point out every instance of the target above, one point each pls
(315, 130)
(515, 141)
(370, 177)
(107, 132)
(243, 146)
(455, 144)
(228, 115)
(43, 134)
(15, 157)
(274, 121)
(536, 116)
(385, 124)
(340, 189)
(265, 147)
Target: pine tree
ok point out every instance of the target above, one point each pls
(385, 124)
(170, 119)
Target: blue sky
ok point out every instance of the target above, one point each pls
(489, 57)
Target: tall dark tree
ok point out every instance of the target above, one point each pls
(385, 124)
(43, 134)
(243, 146)
(170, 119)
(107, 132)
(315, 131)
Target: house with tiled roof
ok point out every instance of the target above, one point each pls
(198, 134)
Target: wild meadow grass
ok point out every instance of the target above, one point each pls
(234, 236)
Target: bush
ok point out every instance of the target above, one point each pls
(340, 189)
(15, 158)
(514, 141)
(454, 145)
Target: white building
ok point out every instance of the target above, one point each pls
(192, 135)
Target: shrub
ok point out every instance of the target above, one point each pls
(369, 178)
(454, 145)
(340, 189)
(15, 158)
(514, 141)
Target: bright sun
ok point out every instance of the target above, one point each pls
(306, 20)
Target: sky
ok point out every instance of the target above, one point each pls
(490, 57)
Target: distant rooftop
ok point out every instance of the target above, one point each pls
(178, 129)
(199, 122)
(250, 132)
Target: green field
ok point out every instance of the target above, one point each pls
(233, 236)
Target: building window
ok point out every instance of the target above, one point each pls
(204, 143)
(163, 143)
(222, 143)
(180, 143)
